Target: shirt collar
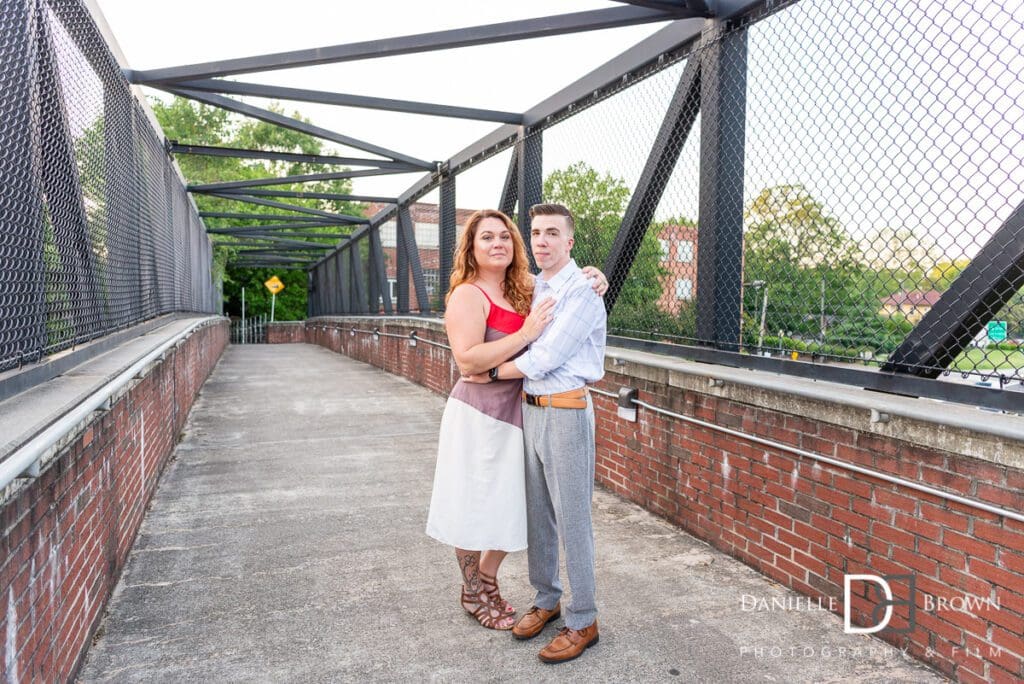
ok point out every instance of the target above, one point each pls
(563, 277)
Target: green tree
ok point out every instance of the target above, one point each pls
(816, 281)
(189, 122)
(598, 202)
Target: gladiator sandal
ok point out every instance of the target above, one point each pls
(491, 587)
(486, 612)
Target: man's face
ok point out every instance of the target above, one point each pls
(550, 241)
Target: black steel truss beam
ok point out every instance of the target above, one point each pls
(407, 247)
(214, 85)
(719, 287)
(296, 125)
(280, 259)
(378, 273)
(228, 186)
(311, 195)
(338, 218)
(274, 241)
(403, 45)
(510, 190)
(994, 275)
(675, 129)
(690, 8)
(264, 217)
(227, 230)
(175, 147)
(275, 265)
(446, 232)
(355, 269)
(261, 235)
(530, 152)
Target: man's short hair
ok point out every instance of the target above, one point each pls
(555, 210)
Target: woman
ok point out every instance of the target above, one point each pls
(479, 500)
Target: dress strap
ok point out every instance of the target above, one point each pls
(489, 301)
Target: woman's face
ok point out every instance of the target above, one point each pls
(492, 245)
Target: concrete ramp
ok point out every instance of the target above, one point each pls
(286, 543)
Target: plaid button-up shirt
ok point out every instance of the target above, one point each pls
(570, 351)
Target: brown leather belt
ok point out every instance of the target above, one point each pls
(573, 399)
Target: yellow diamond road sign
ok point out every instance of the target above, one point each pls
(274, 285)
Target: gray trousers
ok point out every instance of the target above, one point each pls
(559, 489)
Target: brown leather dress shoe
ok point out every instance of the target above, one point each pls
(569, 644)
(533, 622)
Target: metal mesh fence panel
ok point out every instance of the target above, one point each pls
(823, 180)
(827, 180)
(96, 230)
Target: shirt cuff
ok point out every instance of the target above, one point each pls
(527, 366)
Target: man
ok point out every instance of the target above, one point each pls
(558, 426)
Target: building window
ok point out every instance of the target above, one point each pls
(684, 251)
(664, 249)
(393, 289)
(431, 278)
(684, 288)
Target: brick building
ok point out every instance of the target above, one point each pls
(426, 226)
(679, 258)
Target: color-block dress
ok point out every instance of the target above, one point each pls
(479, 498)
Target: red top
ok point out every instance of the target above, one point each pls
(500, 318)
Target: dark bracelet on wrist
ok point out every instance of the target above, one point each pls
(493, 373)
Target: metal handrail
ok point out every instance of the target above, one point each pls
(26, 460)
(910, 484)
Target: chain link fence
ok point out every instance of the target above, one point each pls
(823, 180)
(97, 232)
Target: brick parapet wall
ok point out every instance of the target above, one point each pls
(801, 522)
(67, 534)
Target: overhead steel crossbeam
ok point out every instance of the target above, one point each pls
(311, 195)
(295, 125)
(344, 100)
(227, 230)
(205, 150)
(264, 217)
(274, 241)
(275, 249)
(283, 180)
(261, 235)
(697, 7)
(271, 259)
(272, 227)
(425, 42)
(338, 218)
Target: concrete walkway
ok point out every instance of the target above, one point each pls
(286, 543)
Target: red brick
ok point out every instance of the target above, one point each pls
(994, 574)
(946, 480)
(946, 556)
(969, 545)
(944, 517)
(1012, 642)
(1000, 496)
(999, 535)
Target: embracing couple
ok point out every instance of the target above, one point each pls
(515, 465)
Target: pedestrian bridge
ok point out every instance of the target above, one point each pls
(256, 512)
(285, 542)
(811, 216)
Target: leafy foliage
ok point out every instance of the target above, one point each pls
(193, 123)
(598, 202)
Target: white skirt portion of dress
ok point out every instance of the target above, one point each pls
(479, 498)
